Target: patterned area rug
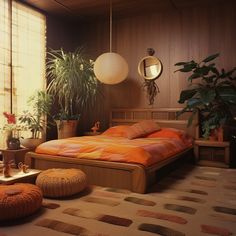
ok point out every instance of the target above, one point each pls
(190, 201)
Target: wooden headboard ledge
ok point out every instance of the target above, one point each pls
(165, 117)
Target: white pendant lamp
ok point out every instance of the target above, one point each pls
(110, 67)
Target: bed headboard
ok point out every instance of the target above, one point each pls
(165, 117)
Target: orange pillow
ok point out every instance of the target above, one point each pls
(171, 133)
(117, 131)
(142, 128)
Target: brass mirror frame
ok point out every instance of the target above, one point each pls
(158, 67)
(149, 81)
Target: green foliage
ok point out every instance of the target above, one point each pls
(71, 82)
(35, 121)
(152, 90)
(213, 95)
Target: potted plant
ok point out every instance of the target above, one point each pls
(11, 130)
(35, 121)
(211, 93)
(73, 85)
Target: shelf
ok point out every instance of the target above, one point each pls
(209, 143)
(212, 164)
(211, 153)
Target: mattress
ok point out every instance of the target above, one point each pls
(146, 151)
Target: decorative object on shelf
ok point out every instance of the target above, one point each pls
(212, 93)
(35, 121)
(23, 167)
(110, 67)
(96, 127)
(7, 168)
(73, 85)
(150, 68)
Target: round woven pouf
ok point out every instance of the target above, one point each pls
(61, 182)
(19, 200)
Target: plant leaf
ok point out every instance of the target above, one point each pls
(187, 94)
(214, 70)
(228, 94)
(194, 102)
(193, 76)
(207, 95)
(229, 73)
(181, 63)
(211, 57)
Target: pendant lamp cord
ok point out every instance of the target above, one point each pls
(110, 25)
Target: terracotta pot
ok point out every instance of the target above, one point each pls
(217, 135)
(220, 134)
(31, 142)
(213, 135)
(66, 128)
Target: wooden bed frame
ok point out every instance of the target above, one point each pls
(130, 176)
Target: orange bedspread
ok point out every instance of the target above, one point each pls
(145, 151)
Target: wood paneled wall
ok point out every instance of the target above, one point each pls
(176, 35)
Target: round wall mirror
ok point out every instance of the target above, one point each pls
(150, 68)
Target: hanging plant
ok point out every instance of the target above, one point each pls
(150, 68)
(152, 90)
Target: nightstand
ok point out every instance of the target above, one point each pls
(211, 153)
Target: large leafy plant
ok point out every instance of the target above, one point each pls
(35, 119)
(71, 82)
(212, 93)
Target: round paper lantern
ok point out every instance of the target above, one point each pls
(110, 68)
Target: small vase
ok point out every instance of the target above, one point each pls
(12, 140)
(13, 143)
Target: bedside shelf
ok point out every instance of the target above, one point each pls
(211, 153)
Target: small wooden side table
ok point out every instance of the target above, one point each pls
(211, 153)
(16, 156)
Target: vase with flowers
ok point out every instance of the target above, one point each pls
(12, 131)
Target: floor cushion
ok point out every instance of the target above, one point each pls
(19, 200)
(56, 183)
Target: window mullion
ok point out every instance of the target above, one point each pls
(10, 64)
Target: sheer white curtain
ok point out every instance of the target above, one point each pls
(22, 56)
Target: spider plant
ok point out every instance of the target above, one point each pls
(71, 82)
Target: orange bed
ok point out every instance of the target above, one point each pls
(117, 158)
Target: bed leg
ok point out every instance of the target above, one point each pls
(139, 181)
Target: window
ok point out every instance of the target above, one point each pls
(22, 55)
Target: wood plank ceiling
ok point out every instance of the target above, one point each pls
(93, 9)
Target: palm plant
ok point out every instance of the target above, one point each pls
(71, 82)
(212, 93)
